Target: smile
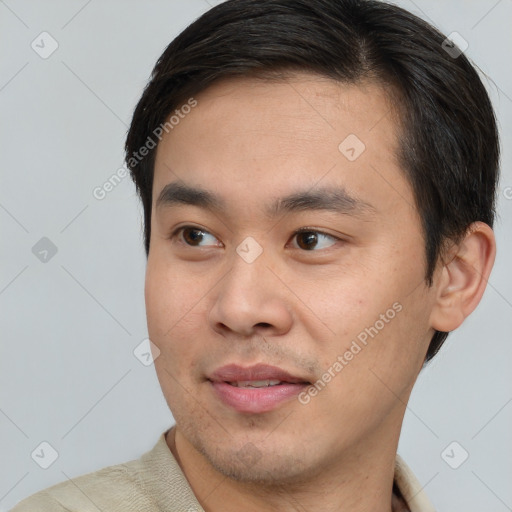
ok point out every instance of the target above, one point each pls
(255, 389)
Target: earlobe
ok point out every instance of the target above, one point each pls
(462, 278)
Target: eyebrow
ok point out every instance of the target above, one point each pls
(333, 199)
(176, 193)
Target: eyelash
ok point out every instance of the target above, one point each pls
(179, 231)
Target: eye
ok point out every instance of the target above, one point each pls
(309, 240)
(196, 237)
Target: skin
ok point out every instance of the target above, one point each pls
(251, 142)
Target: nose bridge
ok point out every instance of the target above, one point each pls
(247, 299)
(247, 279)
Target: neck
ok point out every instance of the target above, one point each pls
(359, 481)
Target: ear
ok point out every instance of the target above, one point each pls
(462, 278)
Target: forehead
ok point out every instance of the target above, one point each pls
(269, 136)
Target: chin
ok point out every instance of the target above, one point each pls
(263, 465)
(270, 470)
(253, 452)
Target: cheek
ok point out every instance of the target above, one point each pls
(175, 309)
(372, 369)
(170, 295)
(390, 347)
(344, 302)
(378, 318)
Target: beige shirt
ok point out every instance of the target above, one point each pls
(155, 483)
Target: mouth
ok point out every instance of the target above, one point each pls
(255, 383)
(255, 389)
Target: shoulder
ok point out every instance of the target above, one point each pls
(152, 483)
(114, 488)
(39, 502)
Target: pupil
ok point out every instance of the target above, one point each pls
(193, 236)
(307, 240)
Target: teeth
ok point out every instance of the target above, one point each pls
(255, 383)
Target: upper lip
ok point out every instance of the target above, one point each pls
(236, 373)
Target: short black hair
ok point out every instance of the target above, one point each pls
(448, 143)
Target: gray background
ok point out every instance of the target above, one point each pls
(69, 324)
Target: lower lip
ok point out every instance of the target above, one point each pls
(256, 400)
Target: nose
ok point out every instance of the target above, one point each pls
(250, 301)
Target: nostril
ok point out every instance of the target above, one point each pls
(265, 325)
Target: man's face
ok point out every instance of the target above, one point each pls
(278, 255)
